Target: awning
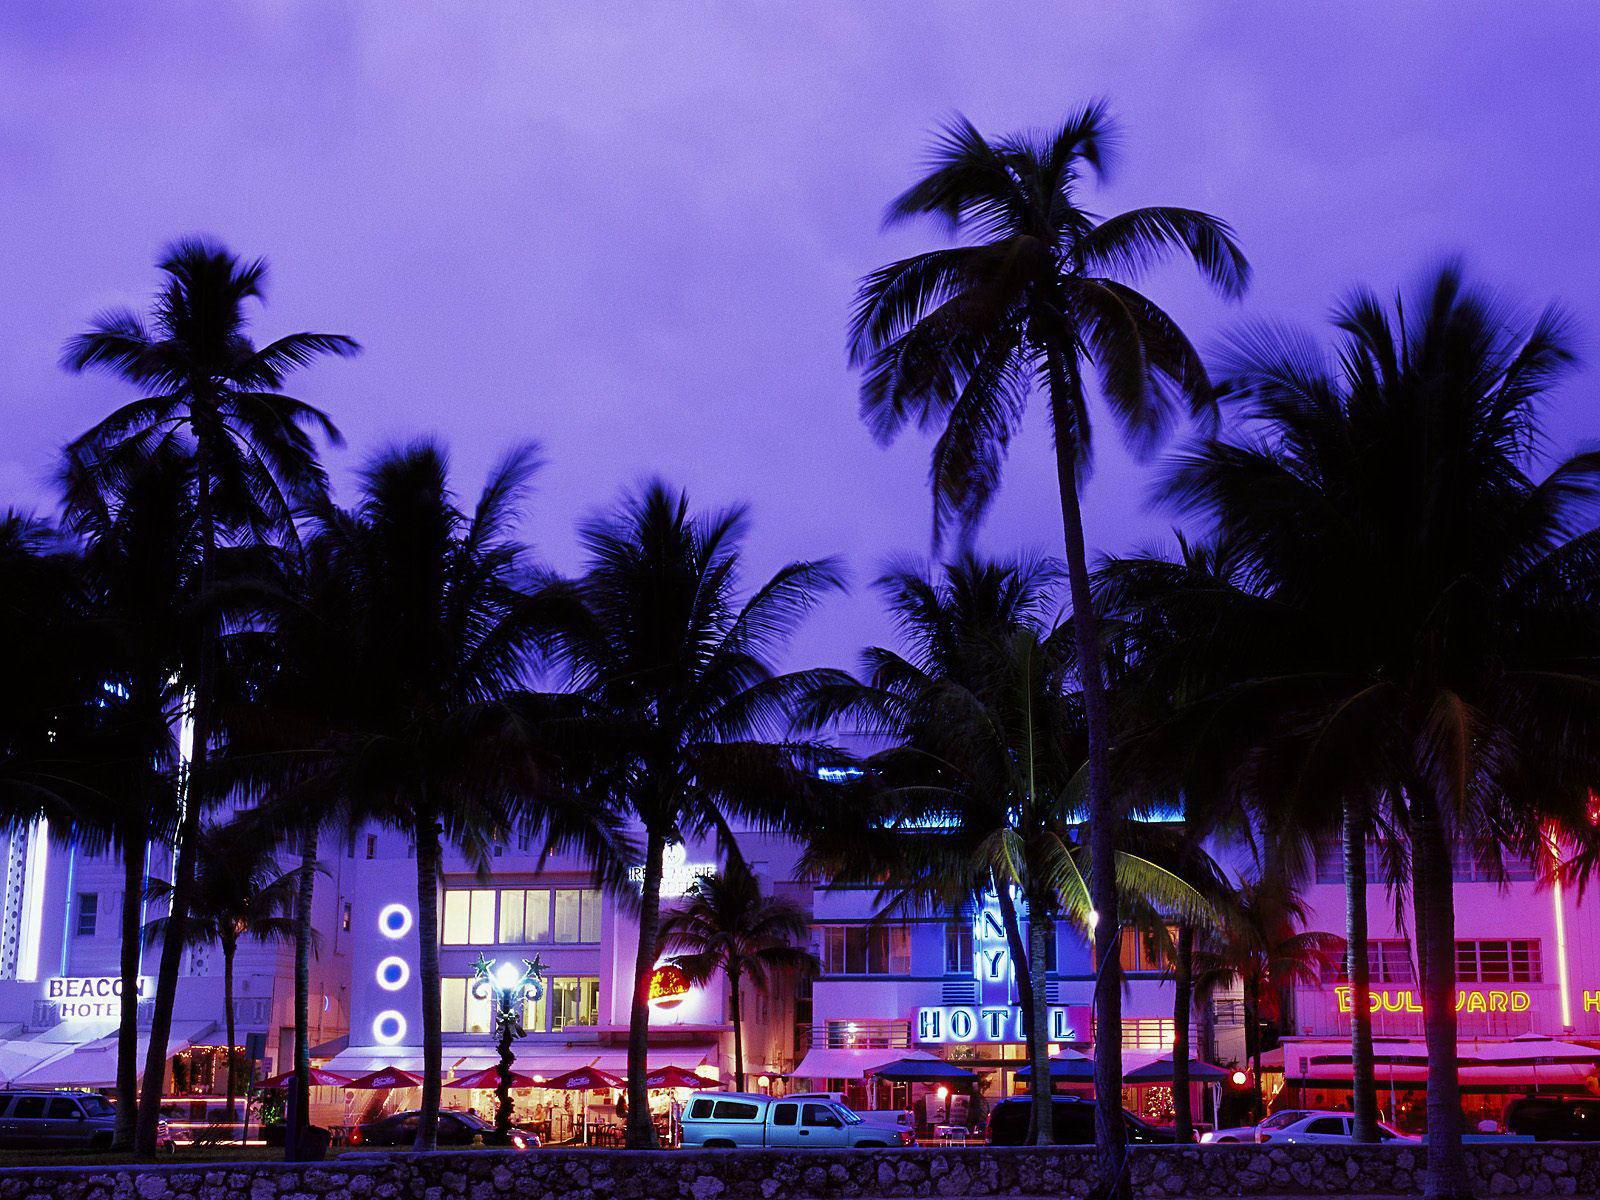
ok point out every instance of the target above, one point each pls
(616, 1061)
(851, 1064)
(360, 1060)
(95, 1064)
(20, 1055)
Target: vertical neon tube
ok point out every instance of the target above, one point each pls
(1557, 900)
(33, 880)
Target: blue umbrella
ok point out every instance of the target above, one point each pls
(1074, 1070)
(922, 1070)
(1160, 1071)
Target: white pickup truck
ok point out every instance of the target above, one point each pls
(724, 1120)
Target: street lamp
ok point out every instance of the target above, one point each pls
(510, 989)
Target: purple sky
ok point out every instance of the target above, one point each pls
(632, 232)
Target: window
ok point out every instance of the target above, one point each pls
(958, 947)
(577, 915)
(1325, 1125)
(468, 917)
(865, 949)
(785, 1114)
(28, 1108)
(1499, 962)
(372, 845)
(819, 1116)
(1388, 961)
(1469, 867)
(63, 1109)
(1148, 1033)
(88, 913)
(1145, 950)
(344, 921)
(735, 1110)
(574, 1000)
(700, 1109)
(461, 1011)
(535, 1013)
(525, 916)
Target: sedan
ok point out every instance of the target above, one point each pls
(1302, 1126)
(457, 1127)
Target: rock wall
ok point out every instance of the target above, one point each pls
(1159, 1173)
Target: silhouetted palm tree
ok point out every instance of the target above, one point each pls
(728, 926)
(240, 894)
(250, 460)
(958, 339)
(685, 715)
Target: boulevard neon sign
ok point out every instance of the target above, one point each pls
(944, 1023)
(1468, 1000)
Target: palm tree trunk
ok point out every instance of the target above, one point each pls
(229, 949)
(1182, 1008)
(641, 1130)
(1363, 1083)
(1110, 1135)
(427, 836)
(1433, 896)
(1019, 955)
(735, 1011)
(302, 988)
(1252, 1039)
(134, 843)
(1040, 930)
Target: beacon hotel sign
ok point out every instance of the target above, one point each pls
(88, 997)
(995, 1018)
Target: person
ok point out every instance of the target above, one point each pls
(977, 1110)
(622, 1106)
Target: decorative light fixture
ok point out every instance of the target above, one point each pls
(393, 973)
(763, 1082)
(394, 921)
(388, 1027)
(1239, 1078)
(669, 984)
(510, 989)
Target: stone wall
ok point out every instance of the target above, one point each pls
(1158, 1172)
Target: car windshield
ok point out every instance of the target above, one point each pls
(1279, 1120)
(96, 1106)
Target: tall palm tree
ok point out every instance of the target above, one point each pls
(988, 745)
(1420, 607)
(206, 387)
(429, 642)
(728, 927)
(240, 894)
(686, 716)
(1037, 299)
(1260, 946)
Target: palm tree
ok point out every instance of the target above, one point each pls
(685, 714)
(249, 460)
(988, 743)
(1419, 607)
(727, 926)
(1260, 946)
(428, 642)
(239, 894)
(958, 339)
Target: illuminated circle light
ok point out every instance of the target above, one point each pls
(1240, 1079)
(388, 1027)
(668, 986)
(394, 921)
(393, 973)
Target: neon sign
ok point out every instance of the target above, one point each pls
(1468, 1000)
(959, 1023)
(991, 953)
(668, 986)
(88, 998)
(678, 877)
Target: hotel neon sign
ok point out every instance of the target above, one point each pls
(961, 1023)
(1468, 1000)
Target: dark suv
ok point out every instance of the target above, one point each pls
(1073, 1124)
(1554, 1118)
(56, 1121)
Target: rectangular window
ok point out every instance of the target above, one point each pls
(1148, 1033)
(577, 912)
(88, 913)
(453, 1002)
(482, 921)
(468, 917)
(1516, 961)
(345, 920)
(457, 906)
(511, 910)
(535, 1013)
(1146, 950)
(536, 916)
(865, 949)
(372, 845)
(1388, 960)
(958, 947)
(574, 1000)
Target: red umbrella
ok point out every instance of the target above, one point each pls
(382, 1080)
(677, 1077)
(489, 1077)
(584, 1079)
(319, 1078)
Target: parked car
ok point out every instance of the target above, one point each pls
(898, 1119)
(1554, 1118)
(457, 1127)
(49, 1120)
(1303, 1126)
(723, 1120)
(1073, 1123)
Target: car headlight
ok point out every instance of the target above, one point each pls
(1207, 1136)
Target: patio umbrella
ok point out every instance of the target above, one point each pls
(383, 1079)
(922, 1070)
(1159, 1070)
(1532, 1050)
(320, 1077)
(1067, 1065)
(585, 1080)
(489, 1077)
(677, 1077)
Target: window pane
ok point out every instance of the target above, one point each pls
(899, 950)
(482, 916)
(589, 1001)
(477, 1012)
(535, 1013)
(536, 922)
(590, 929)
(511, 916)
(568, 910)
(453, 995)
(456, 906)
